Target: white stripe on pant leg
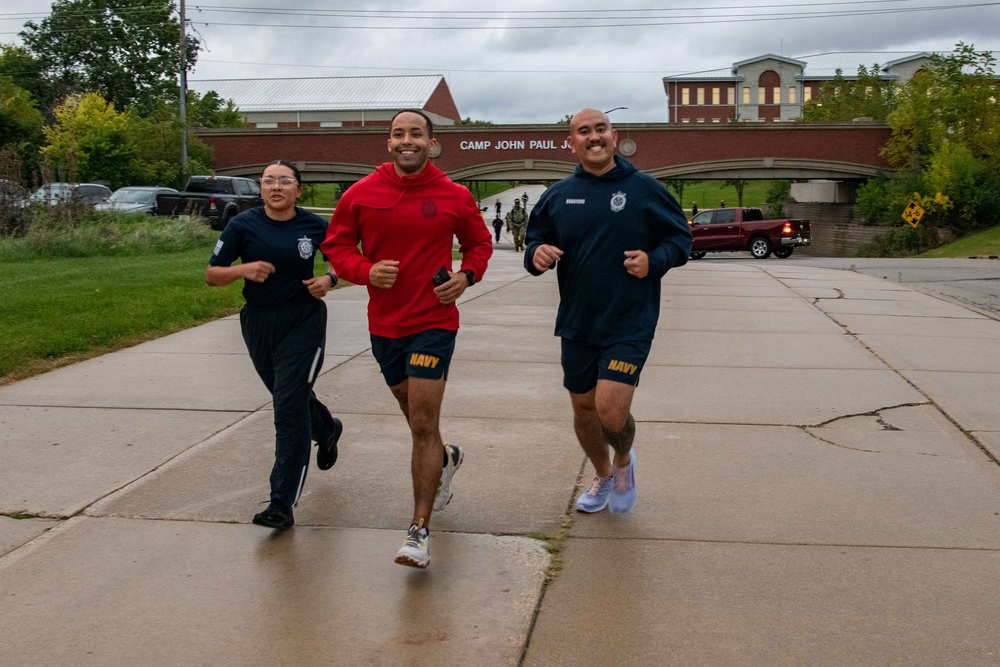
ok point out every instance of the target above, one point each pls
(315, 364)
(302, 481)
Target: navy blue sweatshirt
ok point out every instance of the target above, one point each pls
(594, 220)
(290, 245)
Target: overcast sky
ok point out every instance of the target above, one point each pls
(534, 61)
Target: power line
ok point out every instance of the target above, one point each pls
(471, 14)
(633, 21)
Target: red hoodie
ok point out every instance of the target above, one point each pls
(412, 220)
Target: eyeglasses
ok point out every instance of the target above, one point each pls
(284, 181)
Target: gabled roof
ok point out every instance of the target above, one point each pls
(768, 56)
(825, 65)
(324, 93)
(816, 66)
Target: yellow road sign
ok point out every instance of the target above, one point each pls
(913, 212)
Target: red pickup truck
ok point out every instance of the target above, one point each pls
(734, 229)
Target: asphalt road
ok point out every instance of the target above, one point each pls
(975, 282)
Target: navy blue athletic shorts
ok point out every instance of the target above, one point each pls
(425, 354)
(584, 364)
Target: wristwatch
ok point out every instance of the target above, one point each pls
(333, 279)
(471, 276)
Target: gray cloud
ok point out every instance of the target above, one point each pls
(547, 73)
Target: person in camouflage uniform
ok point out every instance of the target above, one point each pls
(517, 223)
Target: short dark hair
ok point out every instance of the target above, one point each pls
(430, 125)
(286, 163)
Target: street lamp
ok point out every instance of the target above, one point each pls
(615, 109)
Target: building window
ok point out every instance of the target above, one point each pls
(716, 96)
(760, 96)
(266, 126)
(330, 123)
(746, 94)
(807, 93)
(685, 121)
(701, 97)
(685, 96)
(777, 95)
(701, 120)
(792, 94)
(732, 95)
(716, 120)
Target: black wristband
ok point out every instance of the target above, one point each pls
(333, 279)
(471, 276)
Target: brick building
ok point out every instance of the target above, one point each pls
(770, 88)
(333, 101)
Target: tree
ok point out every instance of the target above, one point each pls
(677, 185)
(468, 121)
(945, 143)
(212, 111)
(953, 100)
(127, 50)
(20, 120)
(738, 184)
(565, 120)
(28, 73)
(91, 135)
(867, 96)
(20, 132)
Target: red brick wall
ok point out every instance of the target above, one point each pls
(657, 145)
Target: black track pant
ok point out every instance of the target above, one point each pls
(286, 347)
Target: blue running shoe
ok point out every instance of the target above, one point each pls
(623, 493)
(596, 497)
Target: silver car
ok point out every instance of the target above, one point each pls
(134, 199)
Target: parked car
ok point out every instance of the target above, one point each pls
(216, 198)
(134, 199)
(734, 229)
(11, 193)
(52, 194)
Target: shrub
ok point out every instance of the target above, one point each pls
(902, 241)
(56, 233)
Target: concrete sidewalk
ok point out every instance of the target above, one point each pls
(815, 487)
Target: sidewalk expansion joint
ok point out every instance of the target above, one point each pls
(767, 543)
(555, 545)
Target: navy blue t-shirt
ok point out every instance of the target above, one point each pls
(290, 245)
(594, 220)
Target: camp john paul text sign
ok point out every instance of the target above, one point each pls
(513, 145)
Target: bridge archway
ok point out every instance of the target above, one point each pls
(540, 153)
(767, 168)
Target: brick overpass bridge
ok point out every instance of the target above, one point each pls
(841, 151)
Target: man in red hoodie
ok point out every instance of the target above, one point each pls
(405, 216)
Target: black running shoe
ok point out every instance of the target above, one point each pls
(326, 455)
(275, 516)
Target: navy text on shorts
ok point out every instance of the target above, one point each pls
(584, 364)
(425, 354)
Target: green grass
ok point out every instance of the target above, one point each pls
(708, 194)
(60, 310)
(325, 194)
(978, 244)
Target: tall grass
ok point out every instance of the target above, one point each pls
(48, 234)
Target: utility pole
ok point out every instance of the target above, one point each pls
(183, 100)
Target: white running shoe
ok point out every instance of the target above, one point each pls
(414, 552)
(444, 492)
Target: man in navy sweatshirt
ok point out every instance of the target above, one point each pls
(612, 233)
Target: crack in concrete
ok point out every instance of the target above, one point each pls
(808, 432)
(877, 413)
